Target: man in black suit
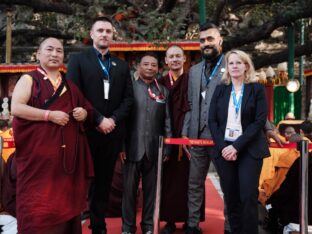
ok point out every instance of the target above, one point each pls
(149, 119)
(105, 81)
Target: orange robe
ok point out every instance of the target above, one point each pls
(281, 168)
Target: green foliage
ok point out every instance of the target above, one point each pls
(210, 7)
(156, 26)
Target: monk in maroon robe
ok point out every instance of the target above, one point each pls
(175, 171)
(53, 160)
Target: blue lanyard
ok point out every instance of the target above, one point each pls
(237, 103)
(106, 73)
(214, 70)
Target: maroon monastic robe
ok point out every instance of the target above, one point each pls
(176, 170)
(53, 163)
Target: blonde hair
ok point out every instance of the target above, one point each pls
(250, 75)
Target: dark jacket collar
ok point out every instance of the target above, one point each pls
(99, 55)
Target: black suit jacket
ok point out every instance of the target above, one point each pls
(148, 120)
(253, 118)
(85, 70)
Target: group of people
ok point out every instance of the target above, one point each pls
(97, 113)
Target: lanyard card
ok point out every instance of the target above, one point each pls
(106, 89)
(232, 132)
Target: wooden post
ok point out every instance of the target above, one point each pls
(8, 43)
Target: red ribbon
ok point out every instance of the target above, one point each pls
(187, 141)
(209, 142)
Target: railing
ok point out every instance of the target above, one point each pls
(303, 146)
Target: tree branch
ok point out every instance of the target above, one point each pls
(42, 5)
(131, 3)
(264, 31)
(31, 34)
(168, 6)
(240, 3)
(269, 59)
(219, 8)
(81, 2)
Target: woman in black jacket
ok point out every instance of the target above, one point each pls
(237, 116)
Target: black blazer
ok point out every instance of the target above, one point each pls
(85, 70)
(148, 120)
(253, 118)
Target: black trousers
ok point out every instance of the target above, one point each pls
(104, 152)
(239, 181)
(132, 173)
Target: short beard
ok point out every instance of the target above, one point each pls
(211, 56)
(102, 47)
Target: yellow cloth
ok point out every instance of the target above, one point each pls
(268, 167)
(8, 144)
(274, 171)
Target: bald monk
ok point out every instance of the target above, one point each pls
(53, 160)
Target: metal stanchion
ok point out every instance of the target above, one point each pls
(304, 162)
(158, 185)
(1, 169)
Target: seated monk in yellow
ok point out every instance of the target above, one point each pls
(6, 133)
(8, 143)
(284, 161)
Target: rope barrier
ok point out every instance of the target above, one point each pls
(209, 142)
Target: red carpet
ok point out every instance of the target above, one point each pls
(213, 223)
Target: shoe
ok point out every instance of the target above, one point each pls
(270, 222)
(127, 233)
(227, 232)
(104, 231)
(85, 215)
(193, 230)
(169, 228)
(148, 232)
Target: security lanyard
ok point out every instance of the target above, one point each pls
(106, 73)
(237, 103)
(159, 97)
(213, 72)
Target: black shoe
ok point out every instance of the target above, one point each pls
(270, 222)
(169, 228)
(193, 230)
(227, 232)
(85, 215)
(104, 231)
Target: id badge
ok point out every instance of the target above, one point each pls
(203, 94)
(232, 132)
(163, 101)
(106, 89)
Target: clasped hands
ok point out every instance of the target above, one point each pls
(107, 125)
(229, 153)
(62, 118)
